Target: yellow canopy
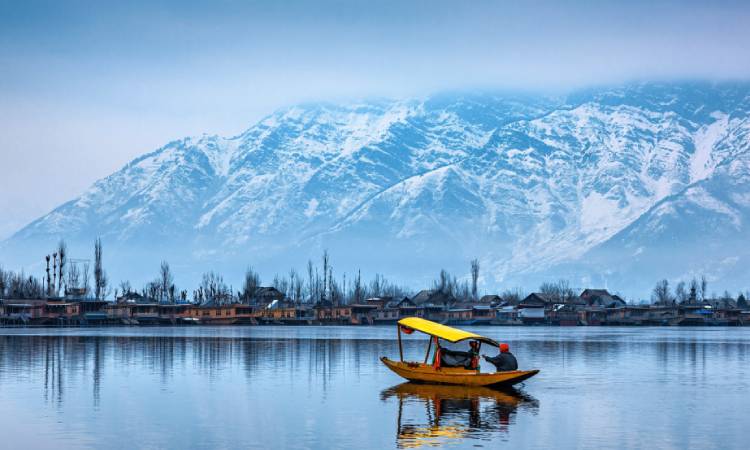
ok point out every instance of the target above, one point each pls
(442, 331)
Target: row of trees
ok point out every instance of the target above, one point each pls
(693, 292)
(319, 283)
(62, 277)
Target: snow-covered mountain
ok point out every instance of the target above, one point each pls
(618, 186)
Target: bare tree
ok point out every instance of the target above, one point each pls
(741, 301)
(85, 278)
(693, 296)
(100, 276)
(125, 287)
(358, 293)
(298, 290)
(661, 294)
(443, 283)
(54, 274)
(560, 290)
(292, 280)
(3, 282)
(62, 252)
(213, 289)
(165, 280)
(548, 289)
(250, 285)
(325, 273)
(681, 293)
(334, 290)
(474, 278)
(49, 278)
(376, 286)
(151, 290)
(704, 287)
(513, 296)
(74, 277)
(311, 292)
(281, 284)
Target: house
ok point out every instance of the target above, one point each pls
(492, 300)
(394, 310)
(131, 297)
(286, 312)
(91, 312)
(482, 314)
(362, 314)
(58, 312)
(174, 313)
(628, 315)
(247, 314)
(119, 312)
(601, 298)
(531, 309)
(75, 294)
(406, 308)
(379, 302)
(22, 311)
(389, 314)
(563, 314)
(266, 295)
(506, 315)
(537, 300)
(214, 313)
(433, 297)
(460, 315)
(433, 303)
(592, 316)
(145, 313)
(328, 313)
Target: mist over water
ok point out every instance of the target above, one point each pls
(275, 387)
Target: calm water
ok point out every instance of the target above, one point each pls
(307, 387)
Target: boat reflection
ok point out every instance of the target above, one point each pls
(454, 412)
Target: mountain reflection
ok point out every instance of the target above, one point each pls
(433, 415)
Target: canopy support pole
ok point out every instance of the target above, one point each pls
(400, 347)
(429, 347)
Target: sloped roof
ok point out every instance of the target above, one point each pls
(433, 296)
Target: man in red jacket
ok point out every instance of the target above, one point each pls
(504, 361)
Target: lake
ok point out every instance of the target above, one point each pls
(324, 387)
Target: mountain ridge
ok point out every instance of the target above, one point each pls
(528, 184)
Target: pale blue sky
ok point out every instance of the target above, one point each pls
(87, 86)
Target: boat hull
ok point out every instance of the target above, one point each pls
(425, 373)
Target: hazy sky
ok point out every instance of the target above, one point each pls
(86, 86)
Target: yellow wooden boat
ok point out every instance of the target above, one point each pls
(422, 372)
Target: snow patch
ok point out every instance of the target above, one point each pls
(597, 212)
(701, 163)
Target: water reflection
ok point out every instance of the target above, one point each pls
(433, 415)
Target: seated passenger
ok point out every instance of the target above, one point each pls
(504, 361)
(454, 358)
